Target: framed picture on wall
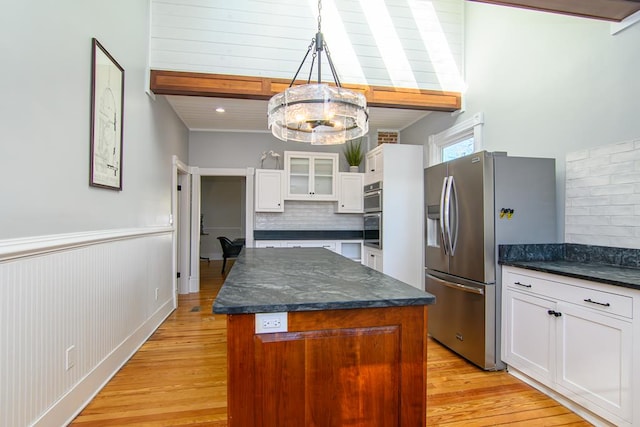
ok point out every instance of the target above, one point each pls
(107, 108)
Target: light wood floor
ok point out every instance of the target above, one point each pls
(179, 378)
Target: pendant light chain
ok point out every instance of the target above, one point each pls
(318, 113)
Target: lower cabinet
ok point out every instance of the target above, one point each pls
(372, 258)
(574, 337)
(351, 249)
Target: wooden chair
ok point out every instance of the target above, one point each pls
(230, 249)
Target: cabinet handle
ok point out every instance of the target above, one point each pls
(604, 304)
(523, 285)
(554, 313)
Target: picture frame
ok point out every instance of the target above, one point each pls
(107, 110)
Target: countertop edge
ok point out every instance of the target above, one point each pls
(281, 308)
(527, 266)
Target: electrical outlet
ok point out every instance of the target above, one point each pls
(271, 322)
(157, 291)
(70, 357)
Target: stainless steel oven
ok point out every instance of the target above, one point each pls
(373, 230)
(373, 197)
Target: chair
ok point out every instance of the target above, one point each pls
(230, 249)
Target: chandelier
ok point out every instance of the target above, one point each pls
(317, 113)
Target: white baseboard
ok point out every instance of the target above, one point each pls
(567, 403)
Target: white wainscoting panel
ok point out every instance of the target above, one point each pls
(96, 298)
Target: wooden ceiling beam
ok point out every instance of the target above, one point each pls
(610, 10)
(262, 88)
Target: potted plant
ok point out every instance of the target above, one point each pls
(354, 154)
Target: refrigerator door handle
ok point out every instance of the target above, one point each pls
(447, 215)
(443, 225)
(453, 201)
(458, 286)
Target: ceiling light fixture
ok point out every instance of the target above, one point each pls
(220, 110)
(318, 114)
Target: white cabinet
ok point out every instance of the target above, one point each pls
(269, 244)
(402, 209)
(312, 244)
(351, 249)
(530, 333)
(573, 336)
(374, 165)
(373, 258)
(310, 176)
(350, 193)
(269, 190)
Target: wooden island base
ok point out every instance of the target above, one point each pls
(348, 367)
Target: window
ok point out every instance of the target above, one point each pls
(457, 141)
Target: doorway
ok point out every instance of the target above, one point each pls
(247, 191)
(181, 220)
(222, 213)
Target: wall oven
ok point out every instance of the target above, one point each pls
(373, 197)
(373, 230)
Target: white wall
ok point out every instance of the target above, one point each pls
(45, 82)
(79, 266)
(548, 84)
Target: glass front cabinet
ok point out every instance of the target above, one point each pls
(310, 176)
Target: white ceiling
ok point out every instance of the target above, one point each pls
(199, 113)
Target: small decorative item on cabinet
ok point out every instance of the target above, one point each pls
(354, 154)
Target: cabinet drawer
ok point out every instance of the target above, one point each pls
(579, 294)
(307, 244)
(268, 244)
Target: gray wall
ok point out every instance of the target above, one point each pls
(45, 82)
(547, 84)
(244, 149)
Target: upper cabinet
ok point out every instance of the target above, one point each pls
(310, 176)
(350, 192)
(269, 190)
(373, 165)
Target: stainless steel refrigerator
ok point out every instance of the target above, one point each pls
(473, 204)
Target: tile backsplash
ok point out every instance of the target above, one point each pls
(302, 215)
(603, 195)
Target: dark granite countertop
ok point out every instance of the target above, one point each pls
(307, 234)
(613, 266)
(307, 279)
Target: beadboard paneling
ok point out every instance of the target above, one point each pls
(268, 38)
(97, 297)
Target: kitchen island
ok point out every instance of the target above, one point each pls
(352, 350)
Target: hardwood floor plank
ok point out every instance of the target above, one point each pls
(179, 377)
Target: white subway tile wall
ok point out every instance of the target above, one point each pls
(603, 196)
(299, 215)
